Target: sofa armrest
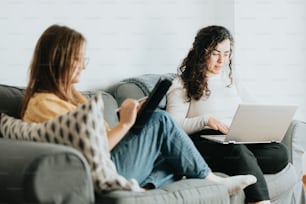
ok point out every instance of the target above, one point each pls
(33, 172)
(295, 140)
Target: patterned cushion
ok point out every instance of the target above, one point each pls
(82, 129)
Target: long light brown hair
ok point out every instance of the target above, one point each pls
(55, 57)
(193, 70)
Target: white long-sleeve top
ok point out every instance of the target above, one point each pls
(193, 116)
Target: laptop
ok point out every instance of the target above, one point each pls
(257, 124)
(156, 95)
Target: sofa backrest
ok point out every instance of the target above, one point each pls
(134, 87)
(11, 99)
(110, 106)
(138, 87)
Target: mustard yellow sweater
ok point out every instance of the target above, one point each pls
(45, 106)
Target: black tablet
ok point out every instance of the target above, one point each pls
(151, 103)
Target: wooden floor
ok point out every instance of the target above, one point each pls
(304, 181)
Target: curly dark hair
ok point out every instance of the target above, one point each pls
(193, 69)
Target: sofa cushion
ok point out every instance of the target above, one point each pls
(82, 129)
(124, 90)
(138, 87)
(196, 191)
(281, 183)
(110, 111)
(10, 101)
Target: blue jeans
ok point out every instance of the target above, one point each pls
(160, 154)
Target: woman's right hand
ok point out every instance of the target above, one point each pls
(217, 125)
(128, 112)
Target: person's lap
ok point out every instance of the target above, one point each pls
(270, 157)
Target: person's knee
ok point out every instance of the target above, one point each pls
(280, 157)
(160, 115)
(159, 120)
(276, 153)
(283, 153)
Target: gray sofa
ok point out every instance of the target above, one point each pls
(32, 172)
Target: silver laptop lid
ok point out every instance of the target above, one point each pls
(260, 123)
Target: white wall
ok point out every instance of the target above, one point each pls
(125, 38)
(271, 49)
(131, 37)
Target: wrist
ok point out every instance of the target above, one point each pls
(124, 126)
(206, 118)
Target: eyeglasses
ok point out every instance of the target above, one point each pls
(84, 60)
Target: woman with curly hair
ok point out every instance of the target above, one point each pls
(204, 97)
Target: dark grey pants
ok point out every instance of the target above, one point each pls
(234, 159)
